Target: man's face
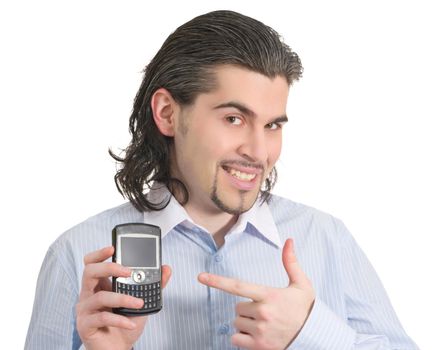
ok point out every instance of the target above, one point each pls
(228, 141)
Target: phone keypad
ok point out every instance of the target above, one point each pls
(150, 293)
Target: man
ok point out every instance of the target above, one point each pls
(206, 133)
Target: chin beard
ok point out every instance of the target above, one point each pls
(231, 210)
(235, 210)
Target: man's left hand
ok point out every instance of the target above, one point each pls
(274, 317)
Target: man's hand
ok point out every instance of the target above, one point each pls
(97, 326)
(275, 316)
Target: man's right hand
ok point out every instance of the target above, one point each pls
(97, 326)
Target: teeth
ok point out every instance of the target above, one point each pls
(242, 176)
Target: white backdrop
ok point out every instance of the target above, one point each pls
(359, 145)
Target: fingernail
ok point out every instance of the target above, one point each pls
(139, 303)
(204, 277)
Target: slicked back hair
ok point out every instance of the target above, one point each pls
(184, 66)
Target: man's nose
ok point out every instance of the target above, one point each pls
(253, 147)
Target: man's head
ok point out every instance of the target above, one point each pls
(196, 61)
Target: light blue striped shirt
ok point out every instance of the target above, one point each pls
(351, 310)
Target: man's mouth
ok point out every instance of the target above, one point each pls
(241, 175)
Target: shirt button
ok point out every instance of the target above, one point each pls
(224, 329)
(218, 258)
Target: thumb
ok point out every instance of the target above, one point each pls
(291, 265)
(166, 275)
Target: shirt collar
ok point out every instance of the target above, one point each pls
(259, 216)
(170, 216)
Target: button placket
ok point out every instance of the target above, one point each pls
(224, 329)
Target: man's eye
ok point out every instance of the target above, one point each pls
(234, 120)
(273, 126)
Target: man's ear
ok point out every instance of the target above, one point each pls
(164, 110)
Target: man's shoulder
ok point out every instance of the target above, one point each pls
(306, 219)
(96, 231)
(123, 213)
(289, 209)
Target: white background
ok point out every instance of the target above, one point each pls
(360, 142)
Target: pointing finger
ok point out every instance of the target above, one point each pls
(233, 286)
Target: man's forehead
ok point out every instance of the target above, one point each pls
(240, 87)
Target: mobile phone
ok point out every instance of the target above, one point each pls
(138, 246)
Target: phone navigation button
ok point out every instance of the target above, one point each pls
(138, 276)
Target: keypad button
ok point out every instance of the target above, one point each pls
(150, 293)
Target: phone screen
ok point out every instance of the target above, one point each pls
(139, 252)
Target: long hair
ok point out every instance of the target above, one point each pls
(184, 66)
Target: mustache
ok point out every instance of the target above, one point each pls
(242, 163)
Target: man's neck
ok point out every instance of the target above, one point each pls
(218, 224)
(214, 220)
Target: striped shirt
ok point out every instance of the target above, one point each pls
(351, 310)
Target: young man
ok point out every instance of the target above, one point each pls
(206, 133)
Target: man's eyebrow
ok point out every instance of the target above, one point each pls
(245, 110)
(282, 119)
(237, 105)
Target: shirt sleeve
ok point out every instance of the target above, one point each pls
(52, 325)
(371, 321)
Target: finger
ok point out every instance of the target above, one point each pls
(291, 265)
(93, 274)
(166, 275)
(99, 255)
(233, 286)
(246, 325)
(245, 341)
(246, 309)
(104, 299)
(106, 284)
(106, 319)
(104, 270)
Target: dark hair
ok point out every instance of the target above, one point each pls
(184, 66)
